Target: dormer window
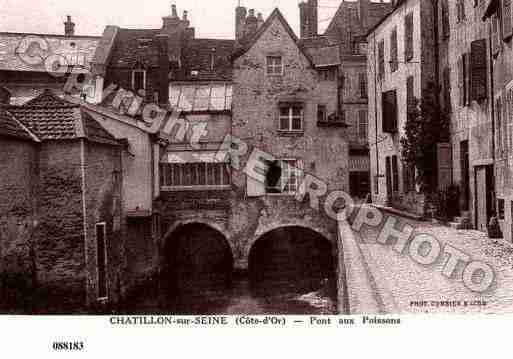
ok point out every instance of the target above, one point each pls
(138, 80)
(274, 65)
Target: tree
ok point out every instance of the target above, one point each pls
(426, 126)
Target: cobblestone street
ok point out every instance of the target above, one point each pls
(401, 281)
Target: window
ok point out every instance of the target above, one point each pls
(460, 10)
(362, 125)
(498, 108)
(389, 111)
(282, 177)
(463, 80)
(447, 88)
(291, 117)
(274, 65)
(197, 98)
(200, 175)
(381, 59)
(395, 174)
(408, 177)
(408, 37)
(322, 113)
(410, 95)
(363, 85)
(446, 27)
(478, 71)
(500, 208)
(101, 259)
(507, 29)
(155, 224)
(496, 43)
(393, 51)
(327, 74)
(138, 80)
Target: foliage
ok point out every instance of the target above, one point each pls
(426, 126)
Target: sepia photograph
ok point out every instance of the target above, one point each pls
(255, 160)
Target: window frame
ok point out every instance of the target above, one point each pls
(144, 79)
(298, 174)
(269, 66)
(290, 117)
(223, 166)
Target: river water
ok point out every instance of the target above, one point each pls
(241, 298)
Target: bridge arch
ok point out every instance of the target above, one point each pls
(196, 258)
(293, 257)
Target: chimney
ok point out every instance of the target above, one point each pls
(364, 13)
(164, 68)
(172, 21)
(240, 20)
(313, 17)
(251, 24)
(303, 20)
(260, 20)
(69, 27)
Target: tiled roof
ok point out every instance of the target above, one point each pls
(52, 118)
(128, 49)
(27, 52)
(11, 127)
(198, 55)
(325, 56)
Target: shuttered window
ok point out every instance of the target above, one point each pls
(507, 30)
(393, 51)
(446, 27)
(460, 10)
(363, 85)
(395, 174)
(410, 95)
(463, 80)
(389, 110)
(408, 37)
(381, 59)
(362, 124)
(447, 88)
(478, 79)
(495, 34)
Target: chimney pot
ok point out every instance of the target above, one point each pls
(185, 15)
(174, 13)
(69, 27)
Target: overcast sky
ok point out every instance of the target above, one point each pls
(211, 18)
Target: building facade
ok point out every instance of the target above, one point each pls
(401, 65)
(498, 22)
(64, 206)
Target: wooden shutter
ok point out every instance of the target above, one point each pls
(507, 30)
(393, 51)
(381, 58)
(254, 188)
(495, 34)
(478, 75)
(446, 27)
(447, 88)
(395, 173)
(410, 97)
(466, 79)
(408, 38)
(461, 80)
(389, 110)
(363, 85)
(444, 159)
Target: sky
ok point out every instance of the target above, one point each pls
(213, 19)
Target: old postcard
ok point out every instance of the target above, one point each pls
(265, 164)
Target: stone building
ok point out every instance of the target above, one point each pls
(464, 81)
(31, 63)
(346, 31)
(61, 218)
(497, 17)
(402, 64)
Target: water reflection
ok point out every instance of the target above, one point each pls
(242, 298)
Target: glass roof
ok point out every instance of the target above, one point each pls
(189, 98)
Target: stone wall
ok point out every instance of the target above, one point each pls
(18, 168)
